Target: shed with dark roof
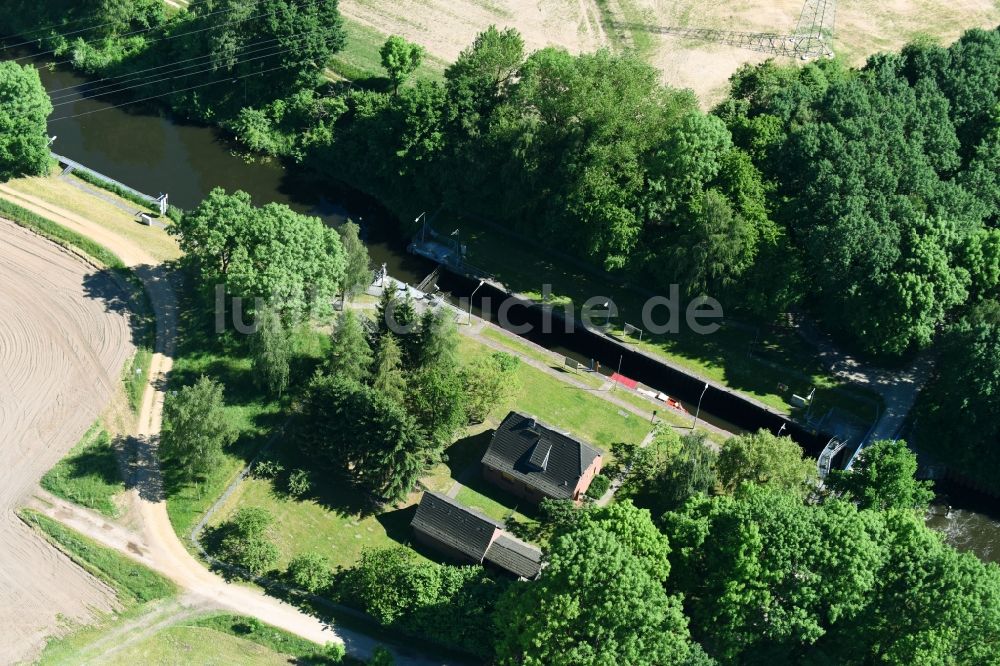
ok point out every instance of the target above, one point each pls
(467, 536)
(515, 556)
(534, 460)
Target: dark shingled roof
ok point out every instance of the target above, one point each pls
(538, 455)
(455, 525)
(515, 556)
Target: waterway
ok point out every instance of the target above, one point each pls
(153, 154)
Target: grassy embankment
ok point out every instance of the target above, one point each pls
(133, 583)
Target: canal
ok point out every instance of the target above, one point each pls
(154, 154)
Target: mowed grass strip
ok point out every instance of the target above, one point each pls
(89, 475)
(133, 582)
(59, 234)
(59, 192)
(198, 645)
(577, 410)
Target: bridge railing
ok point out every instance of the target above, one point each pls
(76, 166)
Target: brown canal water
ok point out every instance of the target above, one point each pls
(153, 154)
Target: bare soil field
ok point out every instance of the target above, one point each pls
(61, 353)
(863, 27)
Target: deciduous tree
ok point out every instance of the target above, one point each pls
(400, 59)
(489, 382)
(196, 428)
(595, 603)
(357, 268)
(269, 253)
(271, 352)
(24, 111)
(764, 459)
(311, 572)
(883, 477)
(245, 541)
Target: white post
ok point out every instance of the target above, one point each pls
(481, 283)
(697, 412)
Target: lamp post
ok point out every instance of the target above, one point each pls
(481, 283)
(423, 230)
(697, 412)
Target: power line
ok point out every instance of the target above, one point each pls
(204, 70)
(172, 92)
(172, 68)
(69, 23)
(169, 37)
(134, 73)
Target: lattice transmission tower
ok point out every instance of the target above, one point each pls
(812, 37)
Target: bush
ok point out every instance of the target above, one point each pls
(598, 487)
(298, 483)
(381, 657)
(245, 541)
(116, 189)
(267, 469)
(310, 572)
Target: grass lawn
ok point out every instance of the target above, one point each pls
(595, 381)
(57, 191)
(328, 520)
(361, 60)
(323, 522)
(185, 645)
(208, 639)
(577, 410)
(782, 364)
(89, 475)
(255, 414)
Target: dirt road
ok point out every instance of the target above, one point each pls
(61, 354)
(158, 546)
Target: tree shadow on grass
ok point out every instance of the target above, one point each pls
(99, 461)
(477, 483)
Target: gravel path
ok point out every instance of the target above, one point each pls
(61, 354)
